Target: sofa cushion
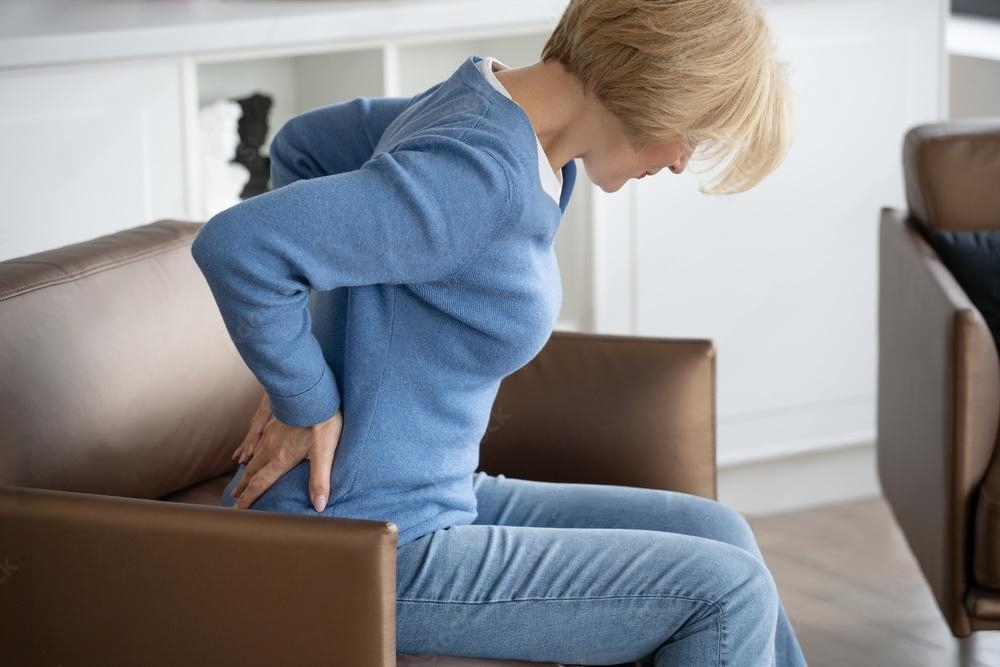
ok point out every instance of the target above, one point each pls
(973, 258)
(203, 493)
(117, 373)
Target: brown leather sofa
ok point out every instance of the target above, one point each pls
(121, 401)
(939, 380)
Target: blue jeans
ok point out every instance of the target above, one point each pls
(593, 574)
(590, 574)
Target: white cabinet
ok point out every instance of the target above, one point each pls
(89, 150)
(784, 277)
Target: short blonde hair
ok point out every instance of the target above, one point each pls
(704, 70)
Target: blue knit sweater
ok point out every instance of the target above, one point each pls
(402, 265)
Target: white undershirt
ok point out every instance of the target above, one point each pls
(551, 180)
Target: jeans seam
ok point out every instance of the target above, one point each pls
(722, 614)
(719, 605)
(719, 619)
(722, 651)
(563, 599)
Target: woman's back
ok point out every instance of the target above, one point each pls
(435, 277)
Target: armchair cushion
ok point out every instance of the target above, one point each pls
(973, 258)
(116, 372)
(203, 493)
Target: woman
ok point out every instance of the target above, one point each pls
(403, 265)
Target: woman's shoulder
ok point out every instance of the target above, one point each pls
(462, 110)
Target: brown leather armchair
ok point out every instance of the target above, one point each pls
(939, 380)
(121, 400)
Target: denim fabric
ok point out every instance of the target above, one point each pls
(596, 575)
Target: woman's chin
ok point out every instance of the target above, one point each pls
(613, 187)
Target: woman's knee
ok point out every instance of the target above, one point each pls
(725, 524)
(761, 583)
(738, 529)
(741, 601)
(752, 589)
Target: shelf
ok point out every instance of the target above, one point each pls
(296, 83)
(973, 37)
(53, 32)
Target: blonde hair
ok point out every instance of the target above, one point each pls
(703, 70)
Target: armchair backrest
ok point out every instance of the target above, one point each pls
(952, 173)
(609, 409)
(117, 375)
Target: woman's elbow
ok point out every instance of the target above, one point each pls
(210, 246)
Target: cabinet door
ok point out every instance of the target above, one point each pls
(88, 150)
(784, 278)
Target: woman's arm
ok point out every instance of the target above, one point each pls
(417, 213)
(331, 139)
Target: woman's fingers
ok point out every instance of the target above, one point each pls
(253, 466)
(260, 481)
(261, 417)
(282, 447)
(245, 448)
(250, 443)
(264, 468)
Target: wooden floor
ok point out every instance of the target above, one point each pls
(855, 594)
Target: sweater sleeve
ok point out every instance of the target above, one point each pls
(417, 213)
(331, 139)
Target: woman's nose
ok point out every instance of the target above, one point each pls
(678, 167)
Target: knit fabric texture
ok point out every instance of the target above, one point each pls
(401, 266)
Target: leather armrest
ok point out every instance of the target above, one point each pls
(110, 580)
(609, 409)
(938, 405)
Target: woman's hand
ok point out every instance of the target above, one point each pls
(257, 422)
(280, 448)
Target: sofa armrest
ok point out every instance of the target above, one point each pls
(938, 405)
(91, 579)
(609, 409)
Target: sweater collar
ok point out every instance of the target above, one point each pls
(471, 75)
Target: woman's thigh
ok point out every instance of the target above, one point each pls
(583, 596)
(519, 502)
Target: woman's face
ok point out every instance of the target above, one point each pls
(611, 160)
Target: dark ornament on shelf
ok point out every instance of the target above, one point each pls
(253, 133)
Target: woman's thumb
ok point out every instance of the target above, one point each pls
(319, 479)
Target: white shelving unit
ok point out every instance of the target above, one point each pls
(974, 55)
(974, 37)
